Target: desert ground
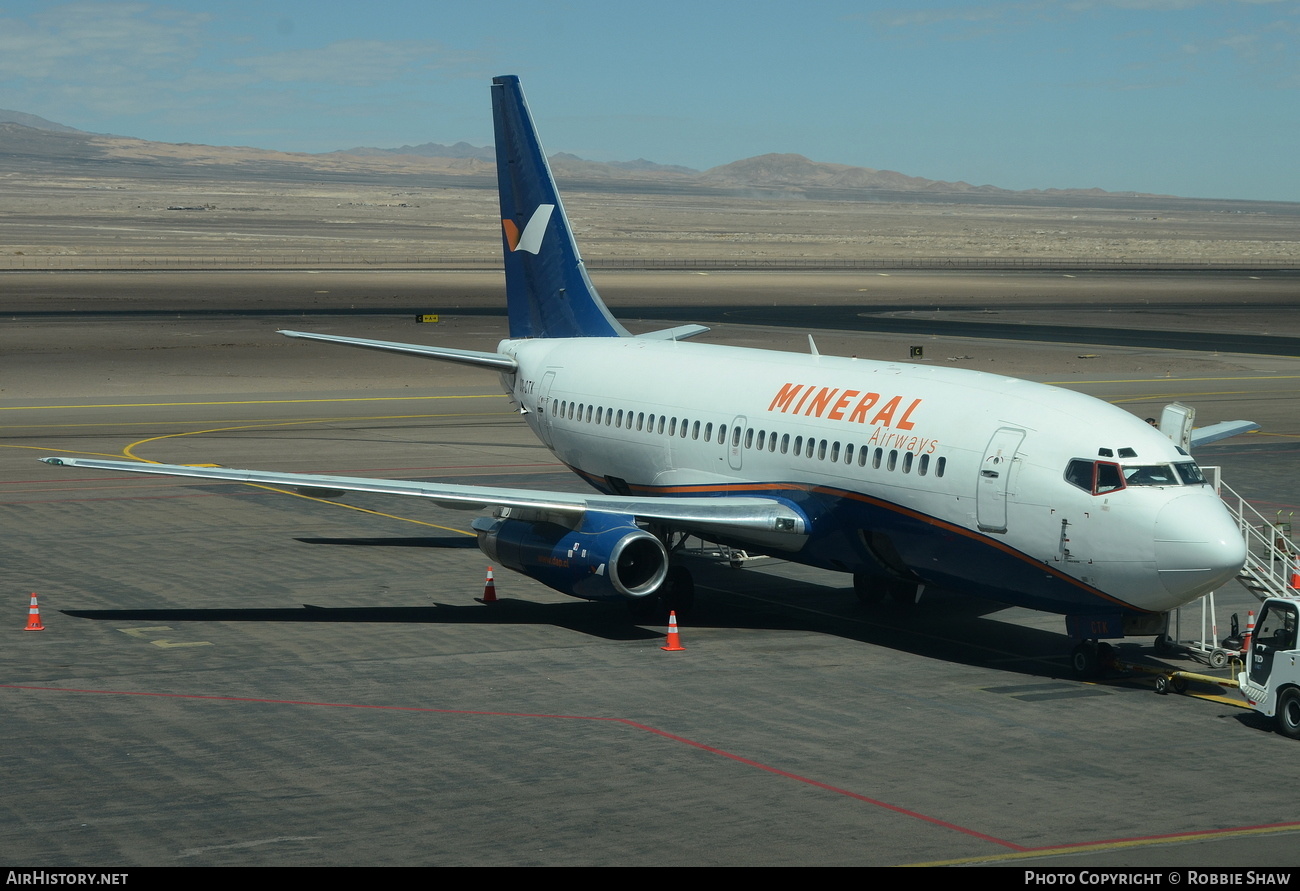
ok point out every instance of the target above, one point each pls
(98, 221)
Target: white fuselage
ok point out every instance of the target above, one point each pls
(948, 477)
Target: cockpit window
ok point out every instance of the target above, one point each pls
(1097, 477)
(1079, 473)
(1149, 475)
(1100, 477)
(1108, 478)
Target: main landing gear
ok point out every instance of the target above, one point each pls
(877, 591)
(676, 594)
(1091, 659)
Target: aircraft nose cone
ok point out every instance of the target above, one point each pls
(1198, 545)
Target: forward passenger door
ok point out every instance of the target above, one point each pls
(995, 479)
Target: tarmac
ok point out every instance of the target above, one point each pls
(234, 675)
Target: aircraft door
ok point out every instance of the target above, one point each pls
(544, 408)
(995, 479)
(735, 443)
(1275, 633)
(1176, 422)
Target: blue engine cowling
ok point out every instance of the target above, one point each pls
(608, 557)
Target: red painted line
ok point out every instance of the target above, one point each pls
(713, 750)
(749, 762)
(826, 786)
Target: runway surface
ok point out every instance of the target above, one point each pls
(235, 675)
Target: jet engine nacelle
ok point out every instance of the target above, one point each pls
(607, 557)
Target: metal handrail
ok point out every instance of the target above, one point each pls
(1269, 549)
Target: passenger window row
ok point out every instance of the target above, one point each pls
(629, 420)
(761, 440)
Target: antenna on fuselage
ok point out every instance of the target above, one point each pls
(812, 347)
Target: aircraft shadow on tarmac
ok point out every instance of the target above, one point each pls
(943, 626)
(606, 621)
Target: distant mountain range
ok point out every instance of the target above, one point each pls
(31, 120)
(28, 141)
(428, 150)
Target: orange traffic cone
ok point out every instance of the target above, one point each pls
(674, 642)
(1250, 631)
(489, 589)
(1295, 572)
(34, 616)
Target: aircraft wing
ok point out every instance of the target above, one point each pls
(755, 518)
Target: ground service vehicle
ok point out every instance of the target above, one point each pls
(1271, 680)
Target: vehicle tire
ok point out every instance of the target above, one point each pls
(1162, 685)
(1288, 713)
(1179, 684)
(1084, 660)
(1218, 659)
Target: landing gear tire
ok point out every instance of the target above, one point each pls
(676, 594)
(651, 608)
(1165, 646)
(902, 595)
(1288, 713)
(871, 591)
(1084, 660)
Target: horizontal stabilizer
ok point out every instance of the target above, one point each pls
(1222, 430)
(446, 354)
(681, 332)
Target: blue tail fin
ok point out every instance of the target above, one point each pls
(547, 289)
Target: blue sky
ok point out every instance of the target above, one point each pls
(1188, 97)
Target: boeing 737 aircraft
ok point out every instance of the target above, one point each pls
(905, 476)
